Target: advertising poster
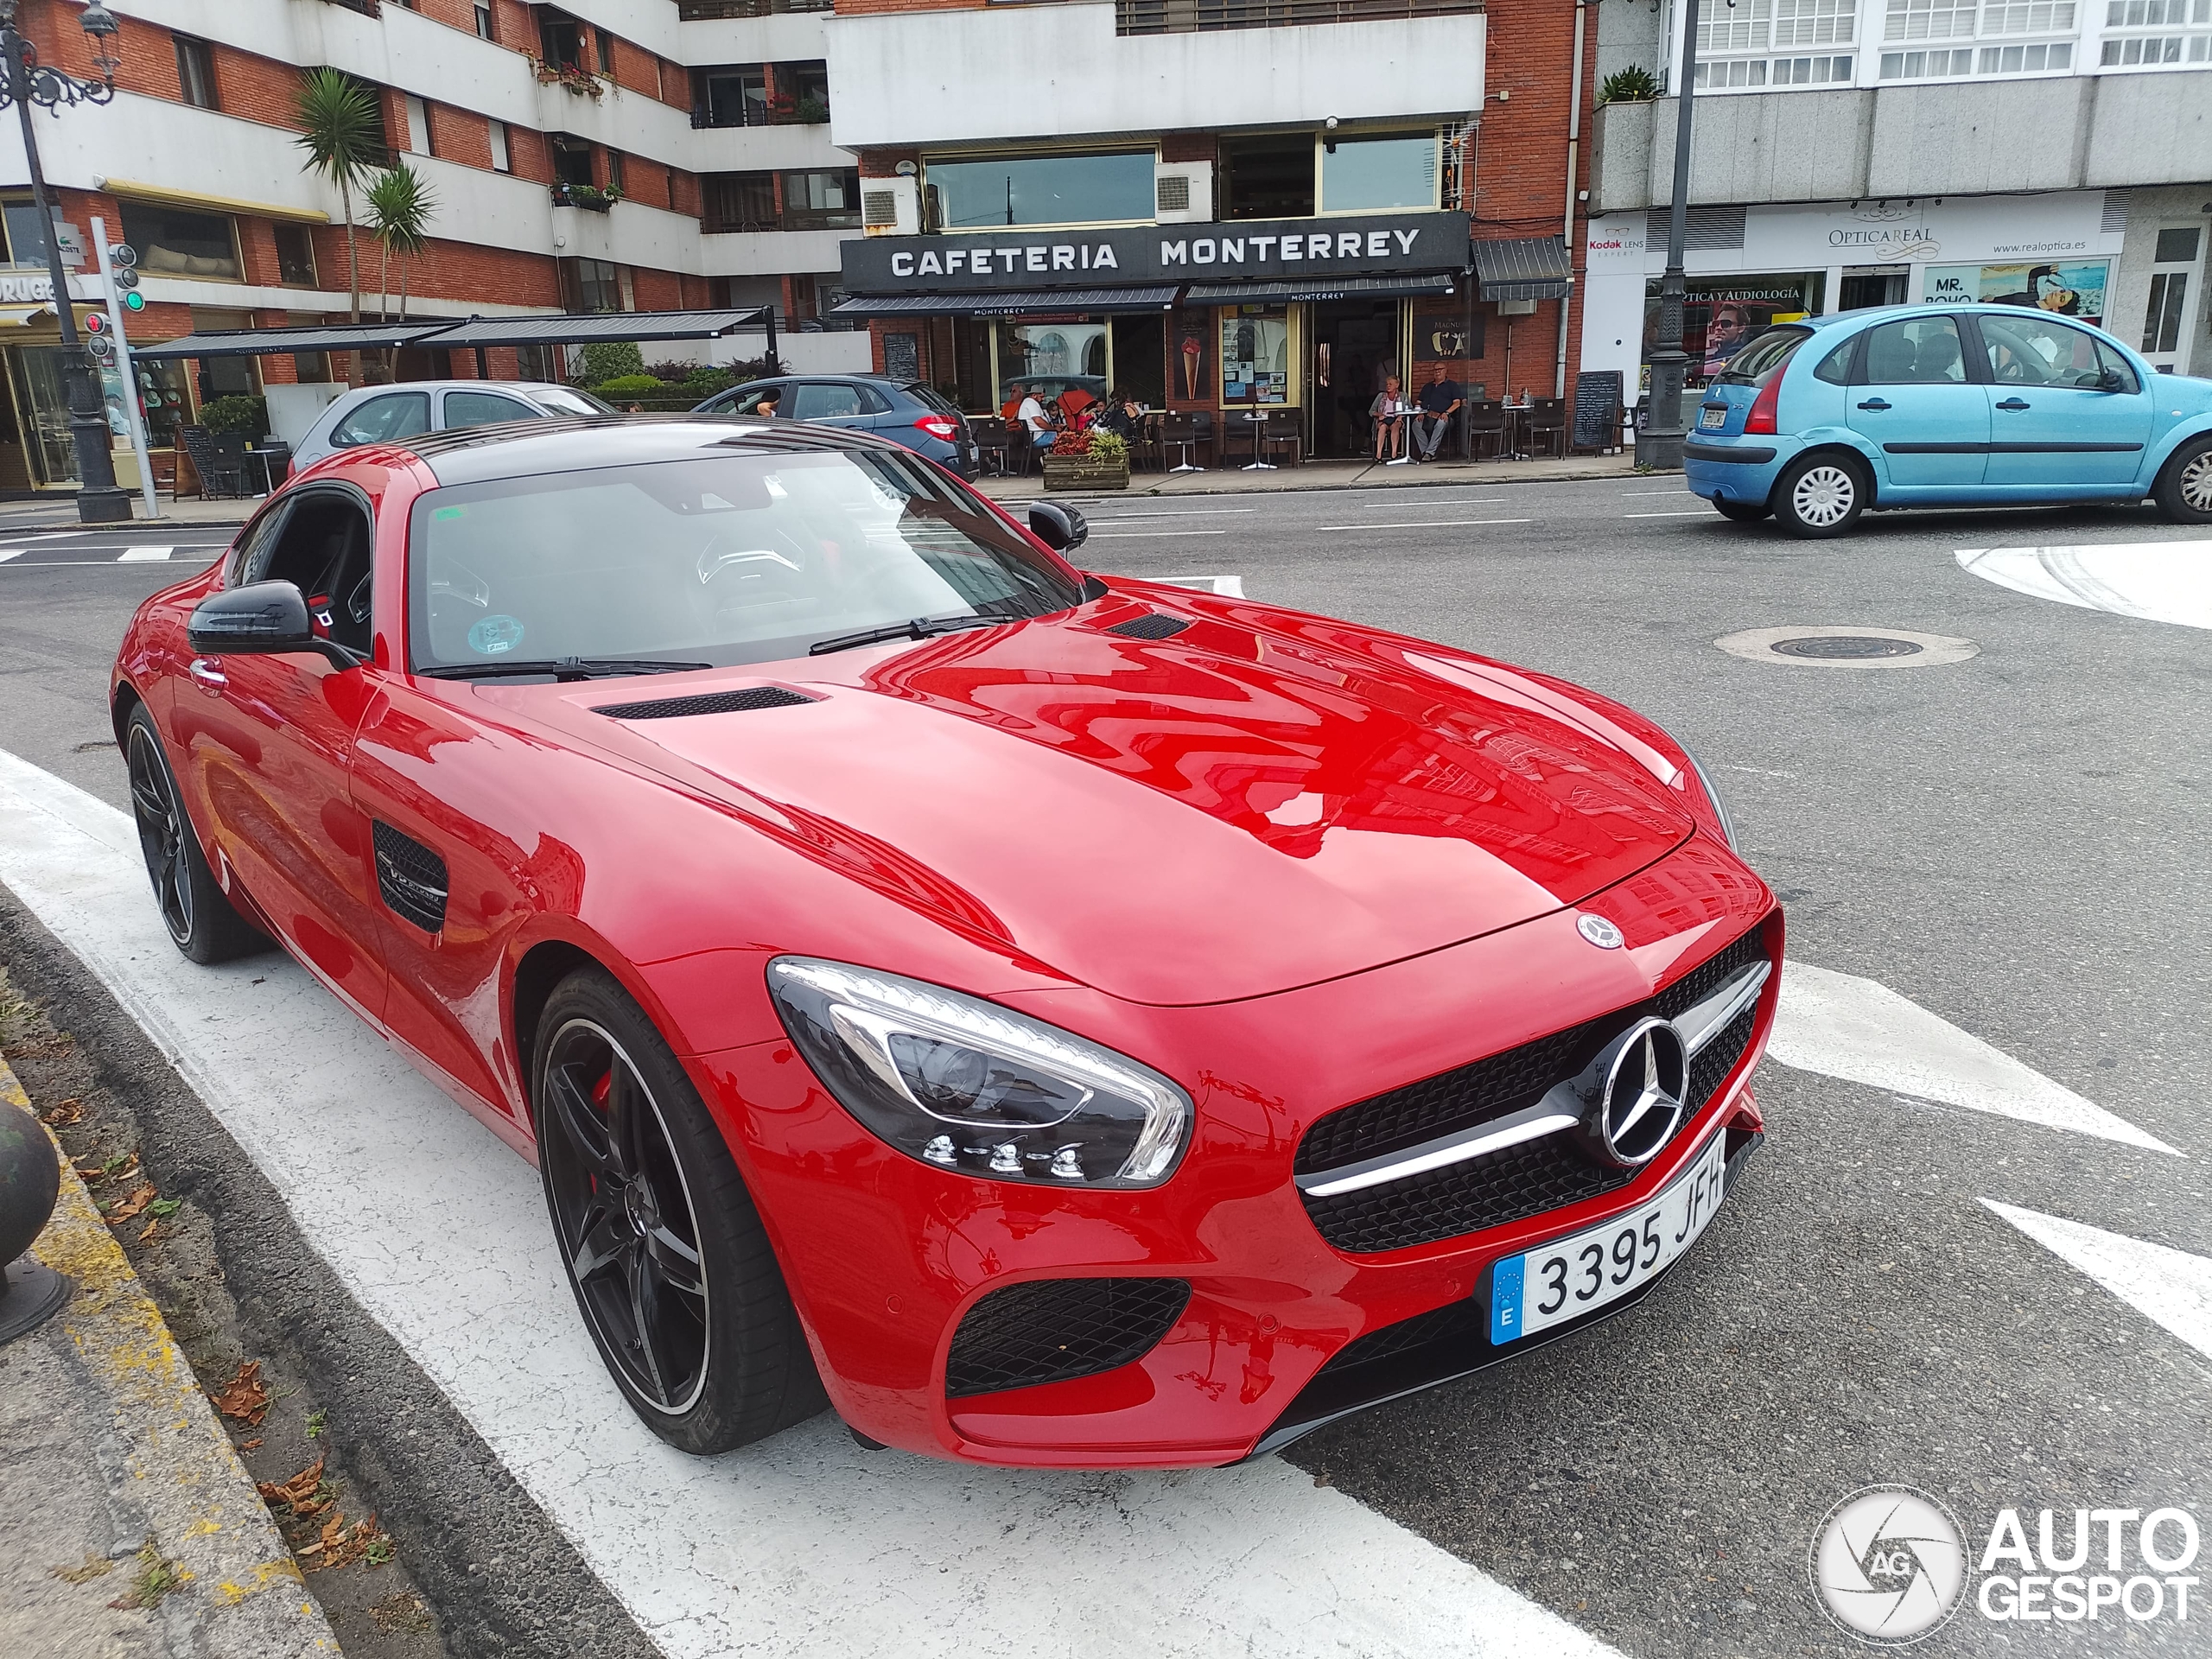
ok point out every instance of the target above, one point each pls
(1722, 314)
(2072, 289)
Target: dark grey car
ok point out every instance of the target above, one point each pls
(910, 413)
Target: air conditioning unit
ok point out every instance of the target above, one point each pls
(890, 208)
(1182, 193)
(1517, 308)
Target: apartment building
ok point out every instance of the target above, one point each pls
(1850, 153)
(643, 155)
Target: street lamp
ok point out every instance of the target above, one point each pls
(25, 81)
(1659, 441)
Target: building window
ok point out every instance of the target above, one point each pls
(606, 44)
(559, 39)
(311, 368)
(1268, 178)
(1906, 23)
(738, 201)
(829, 200)
(502, 157)
(486, 30)
(1366, 176)
(802, 91)
(534, 362)
(174, 242)
(26, 241)
(571, 158)
(418, 125)
(616, 176)
(965, 195)
(294, 255)
(733, 95)
(2145, 33)
(591, 285)
(195, 72)
(1754, 44)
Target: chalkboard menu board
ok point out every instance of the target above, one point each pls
(1598, 409)
(902, 357)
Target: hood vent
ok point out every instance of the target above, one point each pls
(1155, 626)
(710, 703)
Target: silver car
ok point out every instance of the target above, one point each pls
(383, 414)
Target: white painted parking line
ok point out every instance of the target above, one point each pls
(1431, 524)
(1690, 512)
(8, 553)
(1452, 505)
(1626, 493)
(1844, 1027)
(806, 1545)
(151, 554)
(2168, 1286)
(2158, 582)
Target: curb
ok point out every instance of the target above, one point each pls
(1231, 484)
(170, 1488)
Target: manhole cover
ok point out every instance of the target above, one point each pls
(1860, 646)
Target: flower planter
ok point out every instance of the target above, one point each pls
(1085, 472)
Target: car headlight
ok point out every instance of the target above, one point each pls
(966, 1084)
(1719, 805)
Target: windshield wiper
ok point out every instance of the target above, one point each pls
(920, 627)
(561, 668)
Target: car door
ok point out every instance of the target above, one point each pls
(1913, 398)
(474, 406)
(268, 740)
(2066, 410)
(834, 402)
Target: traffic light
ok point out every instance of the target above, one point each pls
(94, 322)
(102, 347)
(126, 277)
(122, 256)
(134, 301)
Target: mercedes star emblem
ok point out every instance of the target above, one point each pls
(1599, 932)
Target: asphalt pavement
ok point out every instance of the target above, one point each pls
(1925, 1278)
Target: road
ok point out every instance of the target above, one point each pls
(2006, 851)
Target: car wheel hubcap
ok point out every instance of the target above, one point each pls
(2196, 482)
(623, 1215)
(161, 835)
(1824, 496)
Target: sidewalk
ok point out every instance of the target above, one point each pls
(1232, 479)
(55, 512)
(135, 1529)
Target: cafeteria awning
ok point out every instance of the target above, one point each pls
(576, 328)
(1054, 301)
(314, 337)
(1414, 283)
(1523, 267)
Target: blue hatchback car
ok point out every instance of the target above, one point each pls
(911, 413)
(1933, 406)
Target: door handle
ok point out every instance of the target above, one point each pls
(208, 671)
(1875, 402)
(2013, 403)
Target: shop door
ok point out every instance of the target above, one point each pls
(2170, 319)
(14, 464)
(1141, 357)
(1355, 345)
(43, 403)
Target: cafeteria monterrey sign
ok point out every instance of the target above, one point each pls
(971, 261)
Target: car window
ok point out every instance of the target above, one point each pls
(566, 400)
(2033, 351)
(323, 549)
(2111, 362)
(1835, 367)
(745, 400)
(1918, 351)
(930, 397)
(484, 408)
(1754, 363)
(252, 549)
(820, 400)
(381, 420)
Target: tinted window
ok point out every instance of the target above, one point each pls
(381, 420)
(1920, 351)
(2112, 362)
(2029, 351)
(1835, 367)
(747, 400)
(1043, 190)
(735, 558)
(817, 400)
(1762, 357)
(566, 400)
(484, 408)
(930, 398)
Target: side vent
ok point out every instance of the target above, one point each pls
(412, 879)
(1174, 193)
(1155, 626)
(878, 209)
(710, 703)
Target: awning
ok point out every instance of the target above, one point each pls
(314, 337)
(1523, 267)
(1320, 287)
(133, 190)
(21, 316)
(1158, 297)
(576, 328)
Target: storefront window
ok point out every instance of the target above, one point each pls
(43, 405)
(1041, 190)
(25, 246)
(1720, 314)
(1050, 358)
(173, 242)
(1268, 178)
(1366, 176)
(1256, 355)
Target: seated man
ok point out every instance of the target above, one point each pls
(1439, 402)
(1032, 415)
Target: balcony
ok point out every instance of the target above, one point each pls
(590, 198)
(1188, 16)
(715, 12)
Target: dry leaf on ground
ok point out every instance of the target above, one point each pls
(69, 1111)
(295, 1491)
(127, 1209)
(243, 1397)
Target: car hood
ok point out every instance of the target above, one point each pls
(1238, 810)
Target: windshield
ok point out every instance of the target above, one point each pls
(728, 559)
(566, 400)
(1759, 361)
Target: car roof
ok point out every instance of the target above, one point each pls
(839, 374)
(1880, 313)
(529, 448)
(361, 394)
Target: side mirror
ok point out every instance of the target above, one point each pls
(1061, 529)
(263, 619)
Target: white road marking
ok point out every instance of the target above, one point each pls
(8, 553)
(1179, 513)
(1692, 512)
(151, 554)
(1844, 1027)
(2158, 582)
(1152, 534)
(1229, 587)
(2169, 1287)
(1431, 524)
(806, 1545)
(1626, 493)
(1441, 506)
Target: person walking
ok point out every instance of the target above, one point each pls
(1389, 411)
(1439, 402)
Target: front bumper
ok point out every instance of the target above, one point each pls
(886, 1256)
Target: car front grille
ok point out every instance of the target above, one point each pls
(1052, 1330)
(1508, 1186)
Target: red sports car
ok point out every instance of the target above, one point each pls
(1064, 1020)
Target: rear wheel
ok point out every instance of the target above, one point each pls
(2184, 488)
(1821, 495)
(664, 1249)
(1743, 512)
(195, 909)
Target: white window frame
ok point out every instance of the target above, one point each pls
(503, 159)
(2156, 34)
(2191, 272)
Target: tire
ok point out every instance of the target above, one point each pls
(664, 1249)
(2184, 488)
(198, 914)
(1743, 512)
(1821, 495)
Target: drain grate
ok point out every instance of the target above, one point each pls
(1846, 646)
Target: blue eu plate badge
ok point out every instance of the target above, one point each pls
(1505, 1299)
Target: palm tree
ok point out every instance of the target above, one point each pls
(340, 130)
(400, 204)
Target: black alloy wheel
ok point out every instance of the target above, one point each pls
(665, 1251)
(197, 913)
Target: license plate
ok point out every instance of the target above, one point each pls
(1565, 1280)
(1712, 416)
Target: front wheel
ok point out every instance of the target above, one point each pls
(2184, 488)
(195, 910)
(665, 1251)
(1743, 512)
(1820, 495)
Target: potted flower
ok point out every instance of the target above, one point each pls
(1088, 460)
